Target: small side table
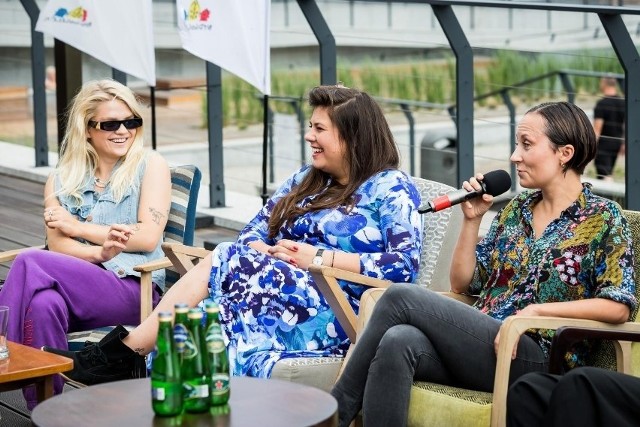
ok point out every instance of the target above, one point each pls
(27, 365)
(254, 402)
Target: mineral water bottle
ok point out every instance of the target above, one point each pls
(195, 366)
(180, 328)
(218, 359)
(166, 384)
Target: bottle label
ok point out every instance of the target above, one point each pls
(215, 346)
(180, 336)
(214, 340)
(219, 383)
(195, 391)
(158, 393)
(190, 349)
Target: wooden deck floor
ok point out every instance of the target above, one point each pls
(22, 225)
(21, 208)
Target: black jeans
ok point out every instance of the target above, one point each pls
(416, 333)
(584, 397)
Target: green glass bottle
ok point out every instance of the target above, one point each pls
(166, 384)
(180, 328)
(218, 358)
(195, 366)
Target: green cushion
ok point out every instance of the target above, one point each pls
(439, 405)
(604, 354)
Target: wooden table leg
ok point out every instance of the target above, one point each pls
(44, 388)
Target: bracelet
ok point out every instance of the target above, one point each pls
(333, 256)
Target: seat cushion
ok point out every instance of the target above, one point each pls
(440, 405)
(319, 372)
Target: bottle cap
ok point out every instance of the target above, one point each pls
(181, 307)
(195, 313)
(211, 307)
(165, 316)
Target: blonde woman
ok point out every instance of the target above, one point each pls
(105, 208)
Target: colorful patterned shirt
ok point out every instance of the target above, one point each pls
(585, 253)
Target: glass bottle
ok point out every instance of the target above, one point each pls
(166, 384)
(180, 328)
(218, 358)
(195, 366)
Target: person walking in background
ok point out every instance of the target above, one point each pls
(608, 124)
(105, 208)
(583, 397)
(351, 208)
(50, 79)
(556, 249)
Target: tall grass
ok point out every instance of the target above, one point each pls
(430, 81)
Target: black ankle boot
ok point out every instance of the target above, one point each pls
(104, 361)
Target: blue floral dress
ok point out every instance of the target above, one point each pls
(270, 309)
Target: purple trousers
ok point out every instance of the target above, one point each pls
(50, 294)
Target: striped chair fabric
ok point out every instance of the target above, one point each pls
(185, 184)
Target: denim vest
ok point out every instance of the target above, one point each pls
(101, 209)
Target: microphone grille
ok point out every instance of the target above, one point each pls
(497, 182)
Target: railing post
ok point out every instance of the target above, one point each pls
(37, 82)
(630, 60)
(464, 88)
(506, 98)
(214, 129)
(328, 55)
(412, 137)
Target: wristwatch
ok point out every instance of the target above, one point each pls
(318, 260)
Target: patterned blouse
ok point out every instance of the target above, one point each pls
(585, 253)
(271, 309)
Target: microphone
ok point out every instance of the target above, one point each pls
(494, 183)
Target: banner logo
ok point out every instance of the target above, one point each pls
(76, 16)
(196, 18)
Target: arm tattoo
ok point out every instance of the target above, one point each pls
(139, 350)
(156, 215)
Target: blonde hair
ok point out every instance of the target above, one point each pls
(78, 158)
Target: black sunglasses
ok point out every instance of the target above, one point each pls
(114, 125)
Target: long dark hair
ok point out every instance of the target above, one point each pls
(370, 148)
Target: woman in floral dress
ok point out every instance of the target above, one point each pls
(351, 208)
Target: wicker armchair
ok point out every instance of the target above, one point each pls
(439, 405)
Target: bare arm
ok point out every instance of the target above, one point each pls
(57, 240)
(597, 127)
(153, 209)
(154, 205)
(601, 309)
(463, 262)
(301, 255)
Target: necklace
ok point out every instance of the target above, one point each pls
(100, 183)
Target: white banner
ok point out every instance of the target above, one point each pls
(233, 34)
(117, 32)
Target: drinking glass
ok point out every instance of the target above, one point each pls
(4, 317)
